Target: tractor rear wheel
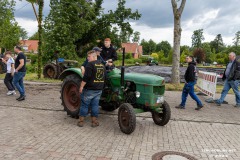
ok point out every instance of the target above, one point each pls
(70, 95)
(3, 67)
(50, 71)
(126, 118)
(162, 119)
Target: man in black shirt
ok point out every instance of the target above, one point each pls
(190, 78)
(108, 52)
(91, 89)
(99, 58)
(20, 72)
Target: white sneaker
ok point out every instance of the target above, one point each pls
(11, 93)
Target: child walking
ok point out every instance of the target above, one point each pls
(9, 61)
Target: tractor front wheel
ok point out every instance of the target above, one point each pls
(126, 118)
(70, 95)
(162, 119)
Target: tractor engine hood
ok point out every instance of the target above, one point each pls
(145, 79)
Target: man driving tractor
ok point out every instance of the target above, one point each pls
(108, 53)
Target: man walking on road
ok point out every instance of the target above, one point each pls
(91, 89)
(190, 78)
(20, 72)
(231, 78)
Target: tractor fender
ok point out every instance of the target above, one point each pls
(70, 71)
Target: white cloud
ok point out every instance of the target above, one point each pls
(31, 26)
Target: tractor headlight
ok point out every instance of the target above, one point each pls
(160, 99)
(137, 94)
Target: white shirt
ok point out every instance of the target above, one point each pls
(9, 63)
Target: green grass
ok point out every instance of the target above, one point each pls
(33, 77)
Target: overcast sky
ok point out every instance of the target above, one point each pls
(214, 16)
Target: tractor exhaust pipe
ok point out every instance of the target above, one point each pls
(123, 68)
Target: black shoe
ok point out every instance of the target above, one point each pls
(199, 107)
(180, 107)
(21, 98)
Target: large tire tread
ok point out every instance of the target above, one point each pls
(77, 80)
(132, 121)
(54, 68)
(166, 115)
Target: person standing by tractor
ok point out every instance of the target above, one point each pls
(108, 53)
(91, 89)
(190, 78)
(9, 61)
(20, 72)
(99, 58)
(231, 78)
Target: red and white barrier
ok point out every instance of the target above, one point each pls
(207, 83)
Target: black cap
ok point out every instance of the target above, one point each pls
(97, 49)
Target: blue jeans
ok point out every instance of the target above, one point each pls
(227, 86)
(18, 82)
(189, 89)
(90, 98)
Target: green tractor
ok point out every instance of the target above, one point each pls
(152, 62)
(53, 69)
(131, 93)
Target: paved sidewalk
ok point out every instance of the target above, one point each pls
(39, 129)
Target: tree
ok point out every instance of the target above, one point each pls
(197, 38)
(136, 37)
(183, 56)
(236, 39)
(207, 50)
(152, 46)
(177, 12)
(199, 54)
(164, 46)
(9, 29)
(184, 48)
(217, 43)
(148, 46)
(23, 33)
(39, 19)
(75, 26)
(145, 47)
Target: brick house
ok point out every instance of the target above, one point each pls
(133, 48)
(29, 45)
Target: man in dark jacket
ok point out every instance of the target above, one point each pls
(108, 52)
(190, 78)
(231, 78)
(91, 89)
(99, 58)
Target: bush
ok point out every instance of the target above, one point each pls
(33, 57)
(119, 56)
(128, 56)
(31, 68)
(144, 59)
(155, 56)
(129, 61)
(137, 60)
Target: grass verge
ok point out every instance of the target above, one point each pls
(33, 77)
(169, 86)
